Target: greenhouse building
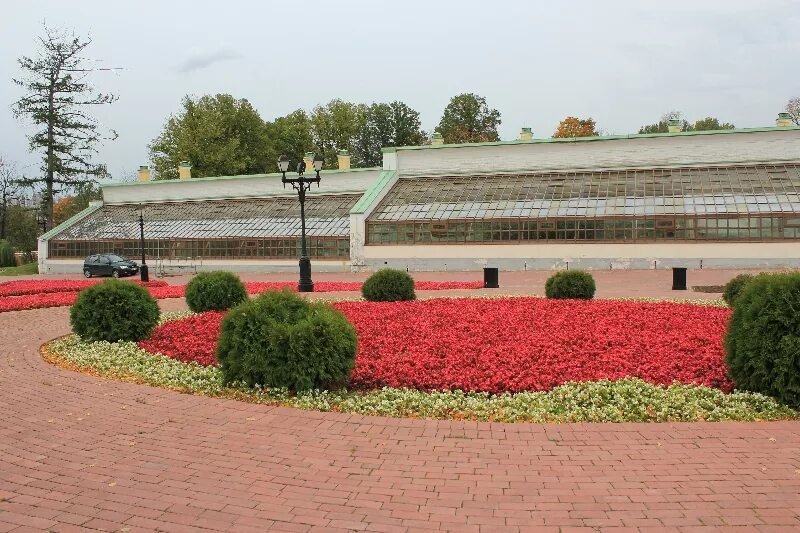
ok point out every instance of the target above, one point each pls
(696, 199)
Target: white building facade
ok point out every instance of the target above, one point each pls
(697, 199)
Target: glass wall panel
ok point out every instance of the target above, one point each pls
(327, 247)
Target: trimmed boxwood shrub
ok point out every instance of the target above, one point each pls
(389, 285)
(281, 340)
(214, 291)
(734, 287)
(7, 255)
(114, 311)
(575, 284)
(762, 343)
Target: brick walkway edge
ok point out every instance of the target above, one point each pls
(80, 453)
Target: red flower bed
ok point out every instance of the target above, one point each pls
(58, 293)
(39, 292)
(187, 340)
(257, 287)
(512, 344)
(36, 301)
(42, 286)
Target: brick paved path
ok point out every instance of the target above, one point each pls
(80, 453)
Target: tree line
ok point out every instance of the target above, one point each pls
(223, 135)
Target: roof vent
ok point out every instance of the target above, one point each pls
(784, 120)
(674, 125)
(309, 160)
(437, 139)
(526, 134)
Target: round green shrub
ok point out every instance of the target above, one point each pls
(734, 287)
(114, 311)
(214, 291)
(762, 344)
(389, 285)
(574, 284)
(7, 255)
(280, 340)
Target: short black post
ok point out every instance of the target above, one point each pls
(143, 271)
(491, 278)
(678, 279)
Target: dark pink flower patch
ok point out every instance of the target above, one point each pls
(510, 344)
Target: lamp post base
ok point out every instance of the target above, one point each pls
(143, 272)
(305, 285)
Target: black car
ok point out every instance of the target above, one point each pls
(109, 265)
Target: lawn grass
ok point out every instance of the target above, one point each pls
(22, 270)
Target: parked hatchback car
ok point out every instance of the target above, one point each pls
(109, 265)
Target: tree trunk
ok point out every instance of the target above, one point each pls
(48, 206)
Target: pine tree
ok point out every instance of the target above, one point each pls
(58, 96)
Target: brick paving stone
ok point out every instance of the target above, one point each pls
(221, 465)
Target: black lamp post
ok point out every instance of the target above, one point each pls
(302, 184)
(143, 270)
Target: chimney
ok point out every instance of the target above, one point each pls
(309, 159)
(344, 159)
(674, 125)
(526, 134)
(784, 120)
(144, 173)
(184, 170)
(437, 139)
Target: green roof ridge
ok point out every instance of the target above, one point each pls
(240, 176)
(70, 221)
(288, 194)
(369, 196)
(592, 139)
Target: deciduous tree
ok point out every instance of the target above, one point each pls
(706, 124)
(575, 127)
(793, 108)
(335, 126)
(710, 124)
(290, 136)
(69, 206)
(468, 119)
(218, 135)
(57, 98)
(9, 192)
(393, 124)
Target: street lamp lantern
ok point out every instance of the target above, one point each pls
(283, 163)
(318, 164)
(302, 184)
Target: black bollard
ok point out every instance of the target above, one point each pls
(490, 278)
(678, 279)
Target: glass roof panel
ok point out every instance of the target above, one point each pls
(327, 216)
(750, 188)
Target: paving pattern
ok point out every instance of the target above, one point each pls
(81, 453)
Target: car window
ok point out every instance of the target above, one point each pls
(115, 258)
(91, 259)
(104, 261)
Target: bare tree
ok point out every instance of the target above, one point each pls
(57, 98)
(9, 192)
(793, 108)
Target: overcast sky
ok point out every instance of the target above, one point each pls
(624, 62)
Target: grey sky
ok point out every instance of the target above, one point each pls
(624, 63)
